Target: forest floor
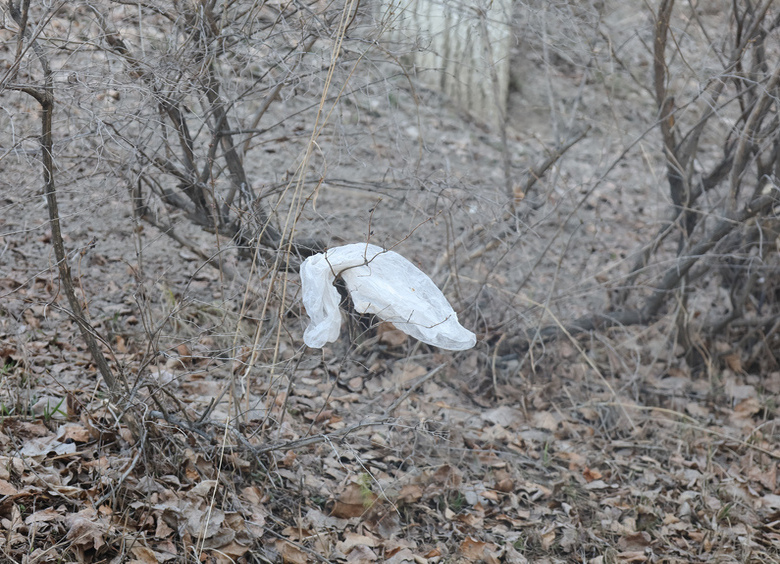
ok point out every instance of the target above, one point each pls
(601, 447)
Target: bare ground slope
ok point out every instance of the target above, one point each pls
(601, 447)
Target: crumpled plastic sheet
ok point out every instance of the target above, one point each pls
(382, 283)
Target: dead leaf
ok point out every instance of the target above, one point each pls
(545, 420)
(402, 556)
(291, 553)
(629, 557)
(352, 540)
(202, 523)
(233, 550)
(361, 554)
(238, 462)
(476, 550)
(747, 408)
(40, 448)
(40, 555)
(162, 531)
(44, 516)
(386, 523)
(697, 410)
(771, 500)
(635, 542)
(25, 429)
(512, 556)
(253, 495)
(86, 530)
(516, 521)
(6, 488)
(121, 344)
(446, 475)
(504, 485)
(588, 413)
(590, 474)
(734, 362)
(353, 501)
(504, 416)
(576, 460)
(473, 520)
(184, 353)
(597, 485)
(297, 533)
(144, 554)
(410, 493)
(739, 392)
(548, 538)
(75, 432)
(407, 372)
(391, 336)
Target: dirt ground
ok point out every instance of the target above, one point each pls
(601, 447)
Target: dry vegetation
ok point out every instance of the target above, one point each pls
(166, 165)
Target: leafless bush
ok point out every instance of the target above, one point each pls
(713, 261)
(720, 139)
(170, 103)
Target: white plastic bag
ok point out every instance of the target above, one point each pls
(382, 283)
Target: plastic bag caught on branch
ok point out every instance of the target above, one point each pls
(382, 283)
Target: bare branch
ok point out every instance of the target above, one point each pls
(45, 97)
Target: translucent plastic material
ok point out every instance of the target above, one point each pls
(382, 283)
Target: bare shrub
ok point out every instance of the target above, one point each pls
(716, 86)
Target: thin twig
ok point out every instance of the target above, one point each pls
(326, 437)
